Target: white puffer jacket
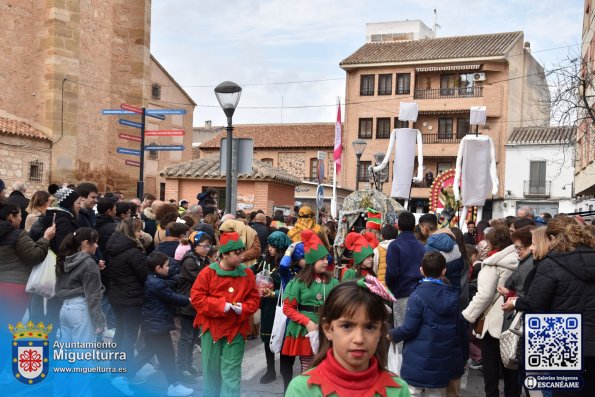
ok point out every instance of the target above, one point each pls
(494, 272)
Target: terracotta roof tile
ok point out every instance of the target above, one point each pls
(20, 128)
(273, 136)
(537, 135)
(485, 45)
(208, 168)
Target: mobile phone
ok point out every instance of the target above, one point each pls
(54, 220)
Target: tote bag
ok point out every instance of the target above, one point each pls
(279, 324)
(42, 280)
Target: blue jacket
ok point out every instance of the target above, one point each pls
(403, 259)
(454, 261)
(169, 248)
(435, 347)
(157, 312)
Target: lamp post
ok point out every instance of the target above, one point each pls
(359, 145)
(228, 94)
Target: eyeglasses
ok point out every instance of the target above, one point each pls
(207, 246)
(519, 247)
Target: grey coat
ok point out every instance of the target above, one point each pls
(81, 278)
(19, 253)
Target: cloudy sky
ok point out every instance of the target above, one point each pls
(285, 54)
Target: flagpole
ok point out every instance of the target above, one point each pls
(334, 199)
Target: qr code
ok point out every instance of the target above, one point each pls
(553, 342)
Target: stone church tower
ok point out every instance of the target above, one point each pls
(65, 60)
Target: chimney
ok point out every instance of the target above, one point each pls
(527, 46)
(208, 123)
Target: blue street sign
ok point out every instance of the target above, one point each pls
(115, 112)
(155, 116)
(128, 151)
(163, 147)
(165, 111)
(129, 123)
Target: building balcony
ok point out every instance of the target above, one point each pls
(441, 138)
(440, 93)
(537, 189)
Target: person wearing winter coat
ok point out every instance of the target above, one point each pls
(434, 333)
(564, 282)
(158, 321)
(389, 233)
(127, 272)
(495, 270)
(18, 197)
(105, 223)
(248, 236)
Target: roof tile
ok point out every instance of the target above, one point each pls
(20, 128)
(541, 135)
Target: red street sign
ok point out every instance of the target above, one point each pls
(130, 137)
(131, 108)
(132, 163)
(164, 133)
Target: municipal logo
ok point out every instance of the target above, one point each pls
(30, 352)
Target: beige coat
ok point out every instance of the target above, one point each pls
(494, 272)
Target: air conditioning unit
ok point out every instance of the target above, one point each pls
(481, 76)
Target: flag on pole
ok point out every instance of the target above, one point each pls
(338, 150)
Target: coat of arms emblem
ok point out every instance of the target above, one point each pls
(30, 351)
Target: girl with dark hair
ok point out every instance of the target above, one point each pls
(460, 240)
(363, 257)
(353, 345)
(79, 287)
(303, 298)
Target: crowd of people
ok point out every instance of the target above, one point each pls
(168, 279)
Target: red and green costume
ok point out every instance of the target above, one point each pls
(224, 334)
(330, 379)
(301, 302)
(361, 249)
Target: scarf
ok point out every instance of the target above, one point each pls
(246, 233)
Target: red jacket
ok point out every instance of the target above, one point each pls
(212, 289)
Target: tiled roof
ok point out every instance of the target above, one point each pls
(20, 128)
(541, 135)
(274, 136)
(208, 168)
(456, 47)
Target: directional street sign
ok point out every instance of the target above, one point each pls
(165, 111)
(132, 163)
(109, 112)
(129, 123)
(133, 152)
(134, 109)
(319, 196)
(164, 133)
(130, 137)
(160, 147)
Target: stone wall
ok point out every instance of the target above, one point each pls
(16, 154)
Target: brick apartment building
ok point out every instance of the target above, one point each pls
(446, 77)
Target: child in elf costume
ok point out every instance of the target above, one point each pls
(224, 296)
(353, 348)
(363, 257)
(303, 298)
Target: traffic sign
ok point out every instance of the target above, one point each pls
(109, 112)
(134, 109)
(130, 137)
(319, 196)
(164, 133)
(129, 123)
(165, 111)
(133, 152)
(132, 163)
(162, 147)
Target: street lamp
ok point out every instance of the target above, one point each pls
(228, 94)
(359, 145)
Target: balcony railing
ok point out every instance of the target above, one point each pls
(439, 93)
(423, 184)
(441, 138)
(537, 188)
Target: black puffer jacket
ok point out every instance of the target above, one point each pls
(565, 282)
(192, 264)
(65, 224)
(127, 271)
(158, 307)
(105, 226)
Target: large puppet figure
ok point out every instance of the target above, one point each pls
(404, 140)
(476, 163)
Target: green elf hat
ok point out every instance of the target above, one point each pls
(313, 247)
(230, 241)
(360, 247)
(374, 220)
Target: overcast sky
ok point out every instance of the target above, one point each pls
(261, 43)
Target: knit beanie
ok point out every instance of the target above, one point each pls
(66, 197)
(230, 241)
(360, 247)
(313, 247)
(372, 239)
(279, 240)
(374, 220)
(195, 237)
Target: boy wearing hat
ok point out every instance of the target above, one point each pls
(224, 296)
(363, 257)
